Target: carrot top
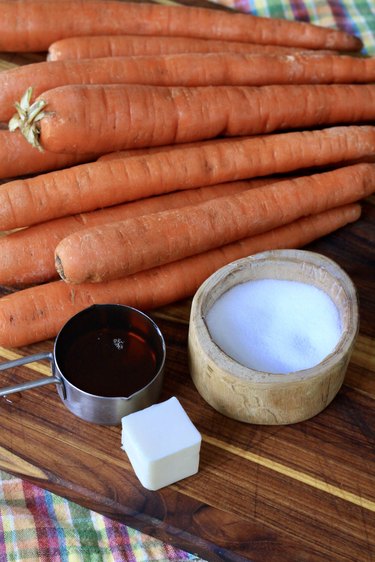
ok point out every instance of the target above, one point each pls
(27, 117)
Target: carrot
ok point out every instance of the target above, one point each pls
(39, 312)
(99, 118)
(134, 45)
(143, 151)
(32, 25)
(114, 250)
(19, 158)
(28, 256)
(119, 154)
(185, 69)
(87, 187)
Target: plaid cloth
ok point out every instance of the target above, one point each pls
(38, 526)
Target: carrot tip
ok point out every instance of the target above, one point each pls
(27, 117)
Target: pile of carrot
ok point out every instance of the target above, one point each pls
(155, 144)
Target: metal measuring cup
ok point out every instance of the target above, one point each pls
(77, 392)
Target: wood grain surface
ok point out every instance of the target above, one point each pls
(297, 493)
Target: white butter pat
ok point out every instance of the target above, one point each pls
(162, 444)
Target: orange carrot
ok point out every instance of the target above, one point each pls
(28, 256)
(143, 151)
(19, 158)
(87, 187)
(127, 153)
(39, 312)
(114, 250)
(134, 45)
(185, 69)
(32, 25)
(115, 117)
(120, 154)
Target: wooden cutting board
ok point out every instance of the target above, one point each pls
(298, 493)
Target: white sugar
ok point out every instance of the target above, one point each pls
(276, 326)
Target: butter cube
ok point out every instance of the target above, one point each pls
(162, 444)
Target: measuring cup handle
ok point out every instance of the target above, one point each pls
(31, 384)
(25, 360)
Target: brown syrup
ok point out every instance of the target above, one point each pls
(109, 362)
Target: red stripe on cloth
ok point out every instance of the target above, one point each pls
(49, 544)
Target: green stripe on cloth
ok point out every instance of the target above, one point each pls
(38, 526)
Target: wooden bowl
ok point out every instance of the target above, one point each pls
(259, 397)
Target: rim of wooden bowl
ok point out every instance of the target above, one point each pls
(309, 267)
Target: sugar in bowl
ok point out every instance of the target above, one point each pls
(271, 336)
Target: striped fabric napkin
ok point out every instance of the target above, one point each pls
(38, 526)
